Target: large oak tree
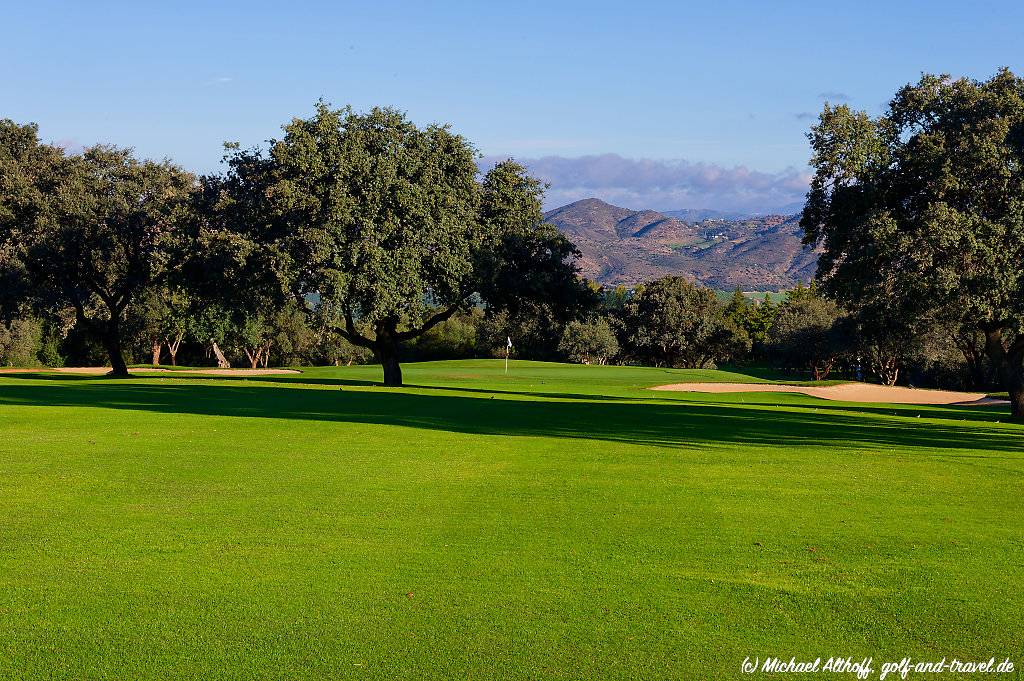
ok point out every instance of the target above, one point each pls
(90, 231)
(920, 211)
(384, 228)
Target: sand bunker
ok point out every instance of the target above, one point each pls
(100, 371)
(845, 392)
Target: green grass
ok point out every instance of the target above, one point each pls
(164, 367)
(558, 522)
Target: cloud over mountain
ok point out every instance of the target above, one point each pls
(664, 184)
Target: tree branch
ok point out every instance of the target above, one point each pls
(350, 333)
(433, 321)
(1016, 347)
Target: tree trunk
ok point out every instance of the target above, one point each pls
(387, 355)
(887, 372)
(1017, 400)
(172, 348)
(112, 343)
(1013, 381)
(975, 366)
(1009, 364)
(157, 347)
(222, 361)
(254, 357)
(385, 349)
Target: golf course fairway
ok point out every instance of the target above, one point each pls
(560, 521)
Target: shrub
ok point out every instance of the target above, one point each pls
(591, 342)
(671, 322)
(21, 339)
(810, 332)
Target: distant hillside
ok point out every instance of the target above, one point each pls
(621, 246)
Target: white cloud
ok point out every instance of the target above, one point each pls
(664, 184)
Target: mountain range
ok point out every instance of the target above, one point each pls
(719, 250)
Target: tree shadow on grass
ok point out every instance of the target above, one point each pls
(966, 413)
(676, 424)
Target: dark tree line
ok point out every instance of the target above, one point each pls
(370, 229)
(363, 235)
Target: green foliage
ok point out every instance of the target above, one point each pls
(254, 337)
(528, 276)
(386, 225)
(530, 264)
(162, 316)
(338, 351)
(454, 338)
(613, 300)
(380, 218)
(755, 318)
(21, 341)
(589, 342)
(51, 349)
(671, 322)
(91, 231)
(385, 211)
(292, 341)
(493, 332)
(889, 341)
(920, 211)
(809, 332)
(759, 319)
(29, 180)
(954, 355)
(535, 329)
(736, 308)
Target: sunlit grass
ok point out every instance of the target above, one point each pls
(555, 522)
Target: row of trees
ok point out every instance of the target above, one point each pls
(363, 229)
(362, 233)
(671, 322)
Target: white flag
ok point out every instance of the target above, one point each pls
(509, 342)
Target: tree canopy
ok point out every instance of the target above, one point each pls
(387, 226)
(809, 332)
(672, 322)
(920, 211)
(90, 231)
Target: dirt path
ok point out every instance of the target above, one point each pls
(845, 392)
(100, 371)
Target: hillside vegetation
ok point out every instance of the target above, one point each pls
(621, 246)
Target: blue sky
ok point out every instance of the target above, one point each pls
(647, 104)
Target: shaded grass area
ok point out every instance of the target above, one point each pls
(538, 414)
(558, 522)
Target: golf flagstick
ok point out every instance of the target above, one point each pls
(507, 348)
